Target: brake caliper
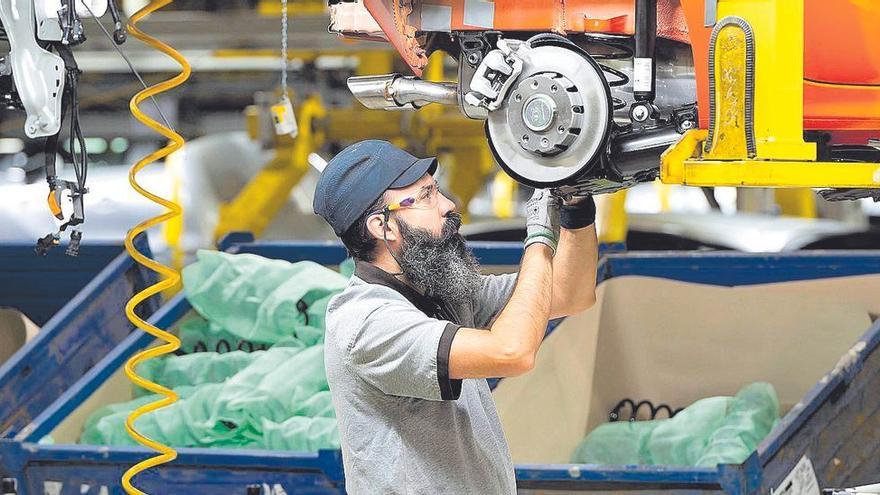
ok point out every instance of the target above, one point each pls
(496, 74)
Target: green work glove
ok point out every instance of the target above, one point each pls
(542, 219)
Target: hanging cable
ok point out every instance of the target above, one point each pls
(282, 112)
(170, 277)
(284, 65)
(128, 62)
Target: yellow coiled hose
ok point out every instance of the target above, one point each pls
(170, 277)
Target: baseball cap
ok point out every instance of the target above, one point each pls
(358, 175)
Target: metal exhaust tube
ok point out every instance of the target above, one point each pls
(396, 92)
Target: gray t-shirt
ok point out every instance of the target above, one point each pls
(405, 426)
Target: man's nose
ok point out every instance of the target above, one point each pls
(446, 205)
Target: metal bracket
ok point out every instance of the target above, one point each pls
(37, 73)
(711, 13)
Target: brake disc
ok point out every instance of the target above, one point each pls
(556, 119)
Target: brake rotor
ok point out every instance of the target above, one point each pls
(556, 119)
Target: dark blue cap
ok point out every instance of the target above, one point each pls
(358, 175)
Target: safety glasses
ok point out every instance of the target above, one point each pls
(425, 199)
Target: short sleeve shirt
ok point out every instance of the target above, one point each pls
(405, 426)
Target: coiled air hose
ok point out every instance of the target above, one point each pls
(170, 277)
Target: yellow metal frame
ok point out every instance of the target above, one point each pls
(613, 222)
(272, 8)
(267, 192)
(773, 30)
(678, 166)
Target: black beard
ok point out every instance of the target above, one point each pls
(443, 266)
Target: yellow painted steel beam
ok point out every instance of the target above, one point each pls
(272, 8)
(796, 202)
(267, 192)
(469, 167)
(613, 223)
(758, 64)
(366, 57)
(756, 136)
(504, 190)
(374, 62)
(355, 123)
(678, 166)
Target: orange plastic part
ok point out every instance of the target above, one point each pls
(54, 207)
(841, 66)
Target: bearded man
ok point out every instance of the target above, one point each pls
(410, 342)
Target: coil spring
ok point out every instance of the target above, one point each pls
(635, 407)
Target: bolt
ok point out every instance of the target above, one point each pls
(545, 142)
(525, 138)
(687, 124)
(473, 58)
(560, 129)
(640, 113)
(554, 88)
(517, 97)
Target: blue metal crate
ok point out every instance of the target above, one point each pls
(835, 418)
(78, 301)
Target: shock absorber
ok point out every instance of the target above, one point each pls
(644, 71)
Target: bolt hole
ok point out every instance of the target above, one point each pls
(554, 88)
(560, 129)
(577, 109)
(517, 97)
(525, 138)
(534, 84)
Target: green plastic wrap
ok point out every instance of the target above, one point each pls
(255, 298)
(106, 425)
(753, 415)
(708, 432)
(283, 382)
(196, 369)
(346, 268)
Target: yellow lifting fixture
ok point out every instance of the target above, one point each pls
(755, 135)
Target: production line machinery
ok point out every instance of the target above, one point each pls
(586, 95)
(581, 95)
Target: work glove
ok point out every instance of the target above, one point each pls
(542, 219)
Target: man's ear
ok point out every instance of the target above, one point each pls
(376, 226)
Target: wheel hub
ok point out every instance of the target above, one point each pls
(543, 110)
(556, 119)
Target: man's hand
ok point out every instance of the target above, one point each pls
(542, 219)
(577, 212)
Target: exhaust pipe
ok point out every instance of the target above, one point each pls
(396, 92)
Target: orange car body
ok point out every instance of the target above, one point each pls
(841, 46)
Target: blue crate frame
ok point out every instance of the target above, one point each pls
(77, 337)
(39, 286)
(843, 393)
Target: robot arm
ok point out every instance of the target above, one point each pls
(45, 75)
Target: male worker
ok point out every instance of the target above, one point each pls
(413, 337)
